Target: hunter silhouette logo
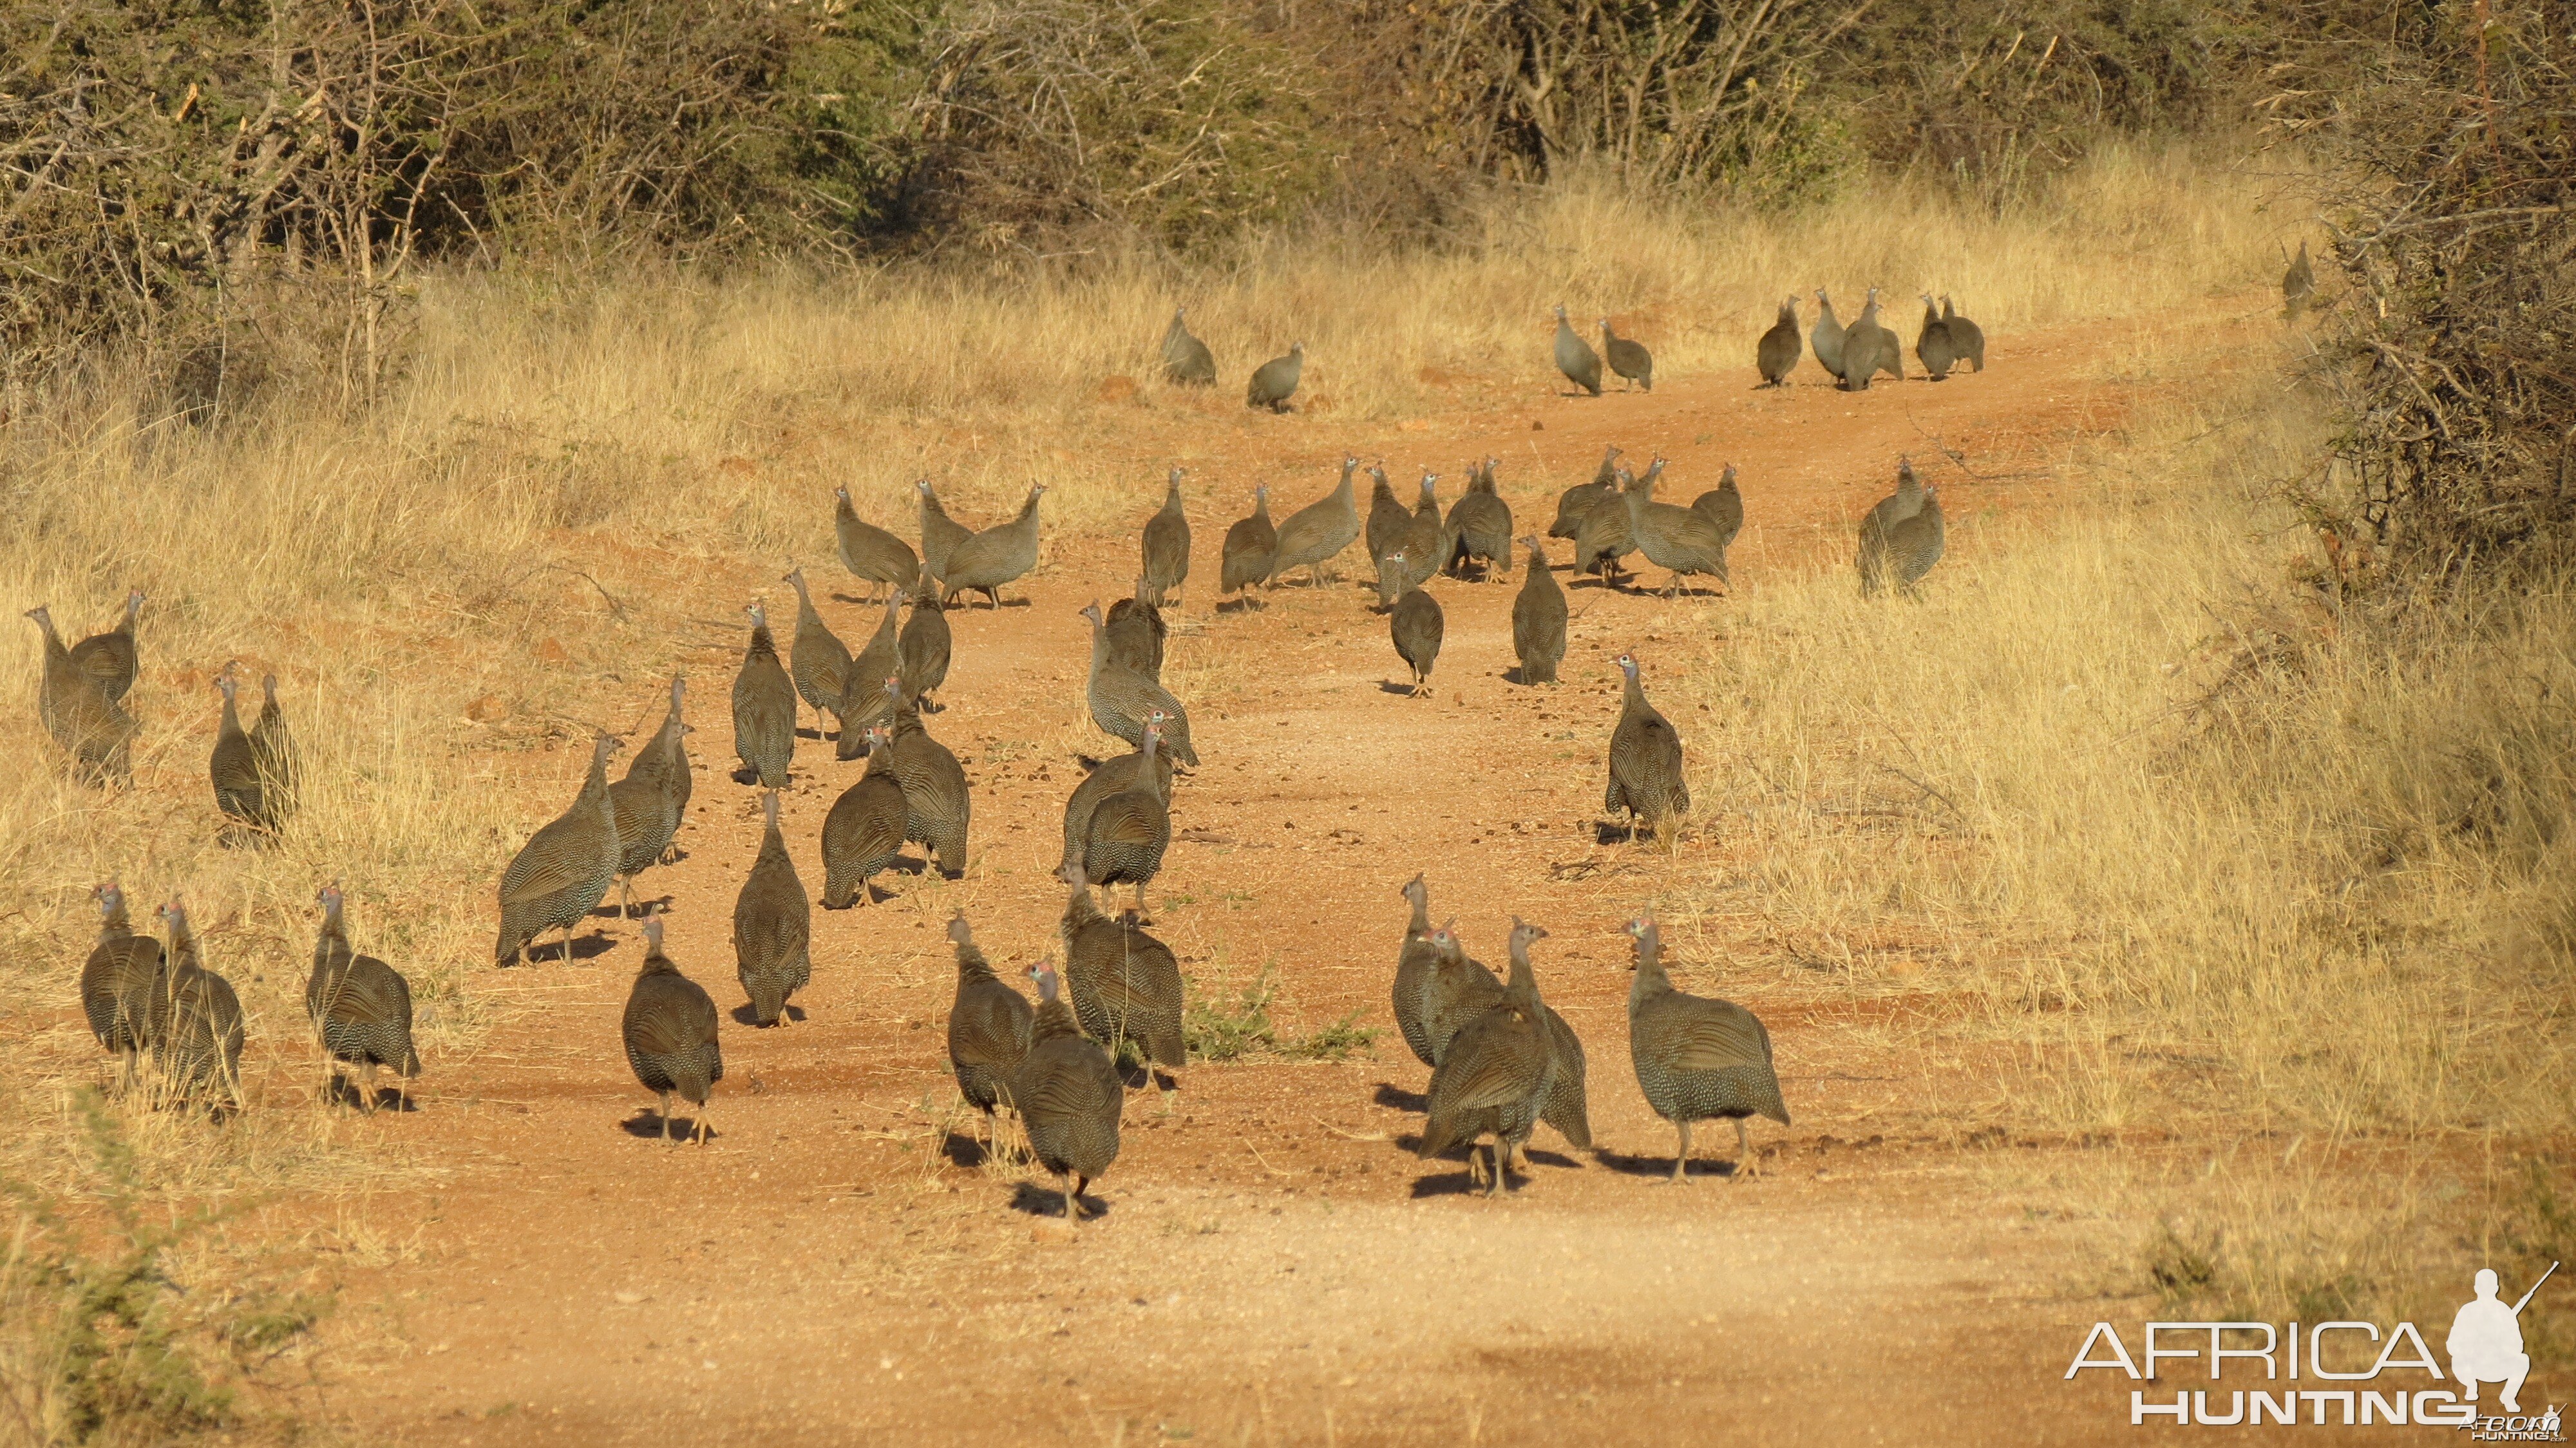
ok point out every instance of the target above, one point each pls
(2486, 1341)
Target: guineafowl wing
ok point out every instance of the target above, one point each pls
(552, 863)
(1718, 1040)
(1126, 820)
(1488, 1067)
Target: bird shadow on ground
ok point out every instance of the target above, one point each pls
(1647, 1165)
(1241, 603)
(1401, 690)
(646, 1125)
(1047, 1201)
(966, 1149)
(588, 947)
(345, 1092)
(989, 604)
(1610, 832)
(608, 911)
(742, 1014)
(1397, 1098)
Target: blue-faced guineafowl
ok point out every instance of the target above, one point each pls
(1645, 763)
(119, 983)
(670, 1033)
(1627, 357)
(1126, 985)
(1275, 381)
(924, 649)
(1903, 536)
(560, 875)
(864, 831)
(773, 926)
(863, 697)
(1415, 960)
(1110, 778)
(94, 730)
(1575, 357)
(1681, 539)
(1778, 352)
(1480, 526)
(817, 661)
(1387, 518)
(1826, 341)
(1250, 544)
(1003, 553)
(110, 657)
(2298, 283)
(1697, 1059)
(1932, 343)
(197, 1024)
(1575, 503)
(873, 555)
(240, 790)
(1137, 634)
(1120, 699)
(1315, 533)
(1124, 840)
(1417, 625)
(1496, 1072)
(764, 709)
(1538, 619)
(1967, 339)
(359, 1006)
(1068, 1095)
(1166, 547)
(988, 1028)
(940, 534)
(1186, 360)
(646, 807)
(1723, 506)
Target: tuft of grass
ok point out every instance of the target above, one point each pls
(1219, 1027)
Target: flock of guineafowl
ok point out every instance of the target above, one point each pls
(1501, 1059)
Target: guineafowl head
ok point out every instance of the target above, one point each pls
(1628, 666)
(1642, 930)
(959, 932)
(1044, 974)
(1560, 314)
(226, 684)
(268, 686)
(1525, 933)
(1416, 890)
(329, 898)
(759, 615)
(110, 897)
(653, 938)
(1072, 875)
(1091, 611)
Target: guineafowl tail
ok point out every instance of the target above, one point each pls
(1437, 1137)
(410, 1062)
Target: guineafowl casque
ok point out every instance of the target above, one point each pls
(1932, 343)
(1723, 506)
(1575, 503)
(924, 649)
(1186, 360)
(764, 709)
(1575, 357)
(864, 831)
(560, 875)
(1903, 536)
(1315, 533)
(1250, 544)
(1275, 381)
(1388, 519)
(110, 657)
(817, 660)
(1480, 525)
(1110, 778)
(1166, 547)
(666, 761)
(873, 555)
(940, 534)
(1627, 357)
(1126, 985)
(1645, 763)
(1778, 352)
(1826, 341)
(1121, 699)
(1426, 537)
(1681, 539)
(646, 804)
(1003, 553)
(1495, 1073)
(1124, 840)
(196, 1024)
(1415, 961)
(1416, 624)
(120, 981)
(1137, 634)
(1697, 1059)
(241, 790)
(92, 728)
(1538, 619)
(773, 926)
(2298, 282)
(670, 1034)
(863, 701)
(988, 1029)
(1967, 339)
(359, 1006)
(1068, 1095)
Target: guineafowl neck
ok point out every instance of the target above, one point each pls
(1421, 922)
(1650, 980)
(1524, 981)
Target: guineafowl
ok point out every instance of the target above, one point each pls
(1778, 352)
(988, 1028)
(1276, 380)
(1387, 519)
(1250, 544)
(1967, 339)
(646, 806)
(1869, 348)
(1697, 1059)
(1166, 547)
(924, 648)
(764, 708)
(1426, 537)
(1120, 699)
(118, 985)
(1124, 840)
(666, 762)
(240, 789)
(1417, 624)
(196, 1021)
(1315, 533)
(817, 660)
(940, 534)
(1457, 991)
(1724, 507)
(670, 1034)
(1186, 360)
(1496, 1072)
(272, 748)
(1480, 525)
(863, 697)
(872, 554)
(92, 728)
(1645, 762)
(1575, 503)
(1000, 554)
(1112, 777)
(359, 1006)
(1068, 1095)
(1538, 619)
(1932, 343)
(773, 926)
(109, 657)
(1627, 357)
(1826, 341)
(1414, 962)
(1681, 539)
(1137, 634)
(1126, 985)
(1903, 536)
(1575, 357)
(938, 809)
(864, 831)
(563, 870)
(1605, 539)
(2298, 283)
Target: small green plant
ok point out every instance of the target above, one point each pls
(1219, 1029)
(1333, 1042)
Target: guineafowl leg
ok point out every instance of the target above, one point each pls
(1072, 1208)
(625, 896)
(1494, 1188)
(1744, 1166)
(1681, 1153)
(367, 1091)
(704, 1128)
(666, 1114)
